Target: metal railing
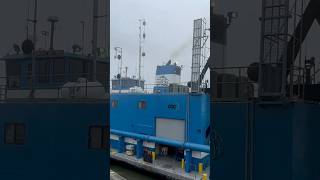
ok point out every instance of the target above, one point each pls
(148, 88)
(232, 83)
(195, 168)
(73, 86)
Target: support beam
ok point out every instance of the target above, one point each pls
(209, 64)
(310, 14)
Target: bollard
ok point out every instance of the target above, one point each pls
(182, 164)
(188, 156)
(204, 177)
(121, 145)
(139, 148)
(153, 156)
(200, 168)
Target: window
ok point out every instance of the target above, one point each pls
(102, 73)
(98, 137)
(43, 71)
(13, 73)
(76, 69)
(87, 70)
(14, 133)
(142, 104)
(29, 74)
(58, 70)
(114, 103)
(9, 134)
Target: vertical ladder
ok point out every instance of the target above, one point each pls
(273, 53)
(196, 55)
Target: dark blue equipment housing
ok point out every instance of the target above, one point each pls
(55, 140)
(263, 141)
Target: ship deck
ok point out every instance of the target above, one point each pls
(164, 166)
(115, 176)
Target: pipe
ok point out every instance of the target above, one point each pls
(174, 143)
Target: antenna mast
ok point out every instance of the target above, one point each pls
(82, 41)
(95, 39)
(52, 21)
(142, 37)
(28, 17)
(34, 45)
(35, 23)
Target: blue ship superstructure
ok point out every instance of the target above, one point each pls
(168, 78)
(171, 118)
(262, 126)
(169, 123)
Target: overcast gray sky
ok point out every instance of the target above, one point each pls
(168, 32)
(68, 31)
(169, 29)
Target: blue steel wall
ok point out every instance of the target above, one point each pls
(192, 107)
(273, 141)
(295, 147)
(310, 168)
(56, 145)
(292, 148)
(284, 137)
(229, 122)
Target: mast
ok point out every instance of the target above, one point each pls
(94, 39)
(142, 36)
(34, 45)
(82, 41)
(140, 49)
(52, 21)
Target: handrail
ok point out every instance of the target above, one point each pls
(53, 85)
(174, 143)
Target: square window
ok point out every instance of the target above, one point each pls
(9, 134)
(105, 138)
(98, 137)
(142, 104)
(95, 137)
(14, 133)
(19, 134)
(114, 103)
